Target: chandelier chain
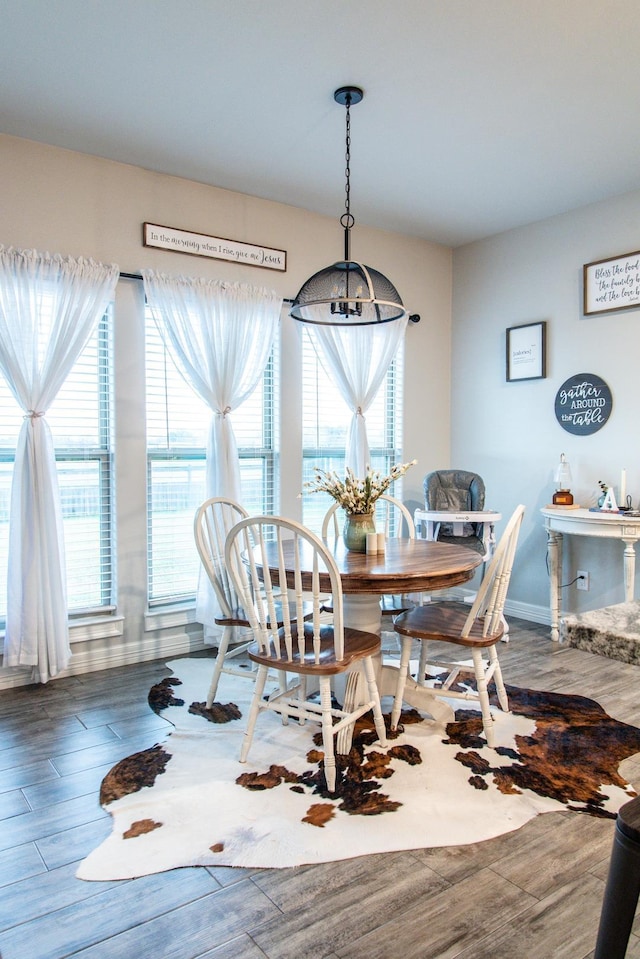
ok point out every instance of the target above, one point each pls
(347, 219)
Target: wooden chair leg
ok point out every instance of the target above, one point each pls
(302, 696)
(403, 670)
(422, 666)
(261, 680)
(483, 695)
(283, 680)
(503, 699)
(327, 733)
(219, 663)
(374, 696)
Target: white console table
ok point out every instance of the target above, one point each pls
(583, 522)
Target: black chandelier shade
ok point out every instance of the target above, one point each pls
(347, 293)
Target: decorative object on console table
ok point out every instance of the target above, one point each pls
(562, 506)
(563, 495)
(609, 504)
(603, 495)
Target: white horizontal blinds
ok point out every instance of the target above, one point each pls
(325, 422)
(177, 424)
(10, 423)
(80, 420)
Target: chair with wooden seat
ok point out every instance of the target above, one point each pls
(212, 523)
(262, 554)
(478, 629)
(393, 519)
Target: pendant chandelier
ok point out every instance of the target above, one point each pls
(347, 293)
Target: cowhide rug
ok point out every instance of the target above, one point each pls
(188, 801)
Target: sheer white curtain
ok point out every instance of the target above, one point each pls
(357, 359)
(49, 306)
(220, 336)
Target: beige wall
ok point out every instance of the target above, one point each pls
(79, 205)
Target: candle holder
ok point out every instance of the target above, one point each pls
(563, 495)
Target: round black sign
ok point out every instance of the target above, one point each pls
(583, 404)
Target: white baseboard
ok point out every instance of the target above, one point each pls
(89, 657)
(533, 614)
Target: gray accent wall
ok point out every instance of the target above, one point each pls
(508, 432)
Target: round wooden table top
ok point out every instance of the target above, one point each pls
(406, 566)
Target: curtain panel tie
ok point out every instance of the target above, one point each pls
(33, 414)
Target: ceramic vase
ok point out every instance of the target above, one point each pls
(355, 529)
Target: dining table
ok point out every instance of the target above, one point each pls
(405, 566)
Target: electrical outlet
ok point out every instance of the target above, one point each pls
(583, 581)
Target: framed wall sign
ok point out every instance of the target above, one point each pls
(201, 244)
(583, 404)
(611, 285)
(527, 352)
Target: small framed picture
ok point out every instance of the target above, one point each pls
(527, 352)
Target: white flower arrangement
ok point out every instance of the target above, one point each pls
(352, 494)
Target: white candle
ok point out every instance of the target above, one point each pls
(623, 488)
(381, 542)
(372, 543)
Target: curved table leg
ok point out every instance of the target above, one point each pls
(629, 568)
(554, 552)
(415, 695)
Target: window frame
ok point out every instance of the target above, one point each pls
(268, 453)
(103, 455)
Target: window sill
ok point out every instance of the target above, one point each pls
(95, 627)
(92, 627)
(169, 617)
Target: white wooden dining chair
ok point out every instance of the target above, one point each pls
(212, 523)
(478, 629)
(393, 519)
(255, 557)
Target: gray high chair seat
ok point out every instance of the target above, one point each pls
(457, 491)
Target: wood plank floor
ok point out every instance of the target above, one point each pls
(535, 893)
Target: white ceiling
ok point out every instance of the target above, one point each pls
(478, 116)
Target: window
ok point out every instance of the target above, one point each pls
(325, 421)
(80, 420)
(177, 424)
